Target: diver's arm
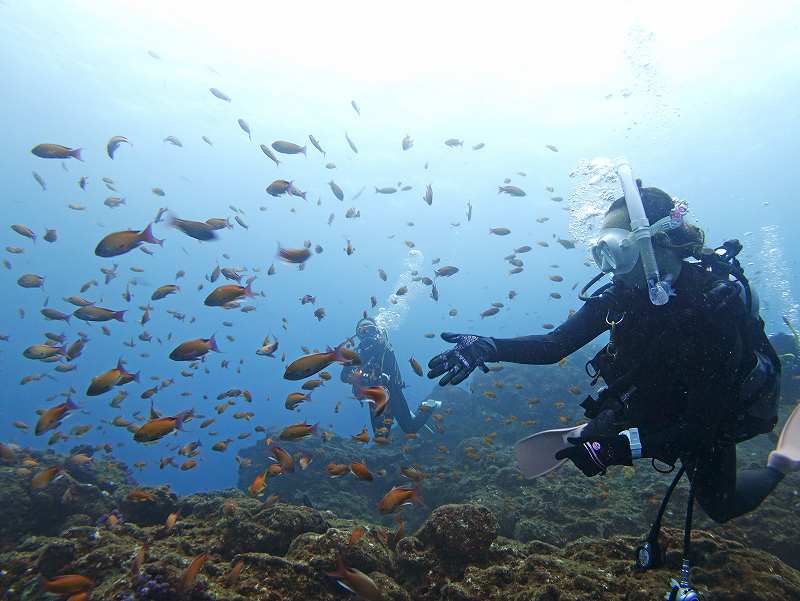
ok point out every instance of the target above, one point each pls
(580, 329)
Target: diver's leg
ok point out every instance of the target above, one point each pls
(410, 423)
(377, 421)
(721, 492)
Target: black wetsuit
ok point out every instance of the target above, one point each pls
(679, 368)
(375, 361)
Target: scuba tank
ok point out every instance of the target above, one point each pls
(759, 392)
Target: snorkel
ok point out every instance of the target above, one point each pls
(658, 289)
(626, 241)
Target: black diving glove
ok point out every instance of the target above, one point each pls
(459, 362)
(593, 456)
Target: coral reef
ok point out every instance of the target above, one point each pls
(483, 533)
(464, 464)
(284, 552)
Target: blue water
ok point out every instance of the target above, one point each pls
(706, 112)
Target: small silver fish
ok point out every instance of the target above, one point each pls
(350, 142)
(114, 143)
(40, 180)
(219, 94)
(245, 128)
(315, 142)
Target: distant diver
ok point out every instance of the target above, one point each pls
(379, 368)
(688, 369)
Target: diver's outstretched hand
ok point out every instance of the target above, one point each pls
(460, 361)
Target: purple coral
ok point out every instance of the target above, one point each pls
(103, 519)
(149, 587)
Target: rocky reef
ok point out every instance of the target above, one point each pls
(282, 552)
(483, 532)
(469, 459)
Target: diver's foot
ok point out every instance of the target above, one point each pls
(431, 404)
(786, 456)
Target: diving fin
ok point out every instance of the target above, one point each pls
(536, 453)
(786, 456)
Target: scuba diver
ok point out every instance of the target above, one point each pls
(379, 368)
(688, 369)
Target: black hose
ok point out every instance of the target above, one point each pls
(687, 527)
(656, 527)
(582, 294)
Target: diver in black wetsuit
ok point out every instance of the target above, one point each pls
(689, 372)
(379, 368)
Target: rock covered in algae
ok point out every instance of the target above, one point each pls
(271, 530)
(368, 554)
(80, 494)
(152, 511)
(459, 534)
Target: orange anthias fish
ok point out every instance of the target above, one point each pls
(413, 474)
(160, 427)
(119, 243)
(138, 560)
(360, 471)
(44, 477)
(362, 436)
(334, 470)
(356, 535)
(304, 461)
(377, 395)
(307, 366)
(190, 575)
(290, 255)
(398, 497)
(258, 486)
(297, 431)
(401, 531)
(69, 584)
(137, 494)
(275, 469)
(356, 581)
(172, 519)
(233, 576)
(51, 418)
(228, 293)
(191, 350)
(107, 380)
(284, 459)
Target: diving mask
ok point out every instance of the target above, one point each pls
(615, 249)
(369, 333)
